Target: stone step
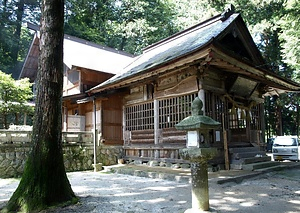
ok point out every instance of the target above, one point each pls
(244, 149)
(260, 165)
(257, 159)
(251, 160)
(240, 155)
(272, 168)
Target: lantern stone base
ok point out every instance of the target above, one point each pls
(198, 158)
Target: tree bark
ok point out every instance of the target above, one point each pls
(44, 182)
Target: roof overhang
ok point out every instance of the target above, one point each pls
(276, 83)
(155, 71)
(213, 57)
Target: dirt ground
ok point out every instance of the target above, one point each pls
(276, 192)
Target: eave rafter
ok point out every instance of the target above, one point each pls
(230, 64)
(150, 74)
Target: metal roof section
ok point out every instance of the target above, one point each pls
(30, 66)
(174, 47)
(80, 53)
(202, 43)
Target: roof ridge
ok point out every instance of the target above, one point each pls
(183, 32)
(83, 41)
(222, 16)
(99, 46)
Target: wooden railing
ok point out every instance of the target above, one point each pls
(16, 136)
(77, 137)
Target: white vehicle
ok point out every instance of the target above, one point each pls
(286, 148)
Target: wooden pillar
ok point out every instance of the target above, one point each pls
(226, 152)
(156, 126)
(156, 121)
(95, 135)
(125, 133)
(100, 127)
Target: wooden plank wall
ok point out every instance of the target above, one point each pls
(112, 120)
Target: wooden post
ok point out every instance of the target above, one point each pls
(227, 163)
(258, 139)
(95, 136)
(156, 122)
(25, 118)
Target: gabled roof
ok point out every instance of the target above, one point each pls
(82, 53)
(79, 53)
(203, 43)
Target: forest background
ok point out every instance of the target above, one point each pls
(131, 25)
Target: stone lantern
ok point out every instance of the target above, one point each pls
(198, 152)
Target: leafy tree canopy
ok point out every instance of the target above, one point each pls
(127, 25)
(15, 40)
(131, 25)
(14, 96)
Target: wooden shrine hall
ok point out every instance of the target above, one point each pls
(217, 58)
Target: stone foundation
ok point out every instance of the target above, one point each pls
(76, 157)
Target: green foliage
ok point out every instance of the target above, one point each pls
(190, 12)
(14, 96)
(14, 40)
(131, 25)
(128, 25)
(290, 35)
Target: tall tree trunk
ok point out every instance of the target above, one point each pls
(17, 33)
(44, 182)
(5, 121)
(278, 124)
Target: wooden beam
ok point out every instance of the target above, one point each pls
(156, 71)
(264, 75)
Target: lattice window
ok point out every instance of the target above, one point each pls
(255, 116)
(173, 110)
(139, 117)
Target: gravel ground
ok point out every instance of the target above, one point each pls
(116, 193)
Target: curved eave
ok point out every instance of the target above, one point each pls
(229, 63)
(155, 70)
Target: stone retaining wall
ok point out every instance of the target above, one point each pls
(77, 157)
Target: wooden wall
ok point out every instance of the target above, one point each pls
(112, 118)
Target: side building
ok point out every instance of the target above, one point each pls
(86, 64)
